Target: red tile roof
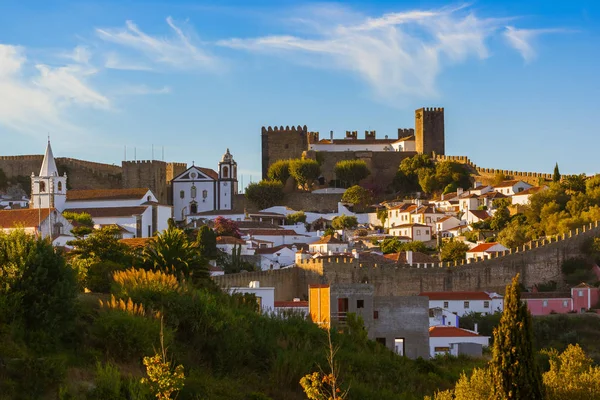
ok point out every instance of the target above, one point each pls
(107, 194)
(273, 232)
(209, 172)
(136, 242)
(450, 331)
(481, 214)
(291, 304)
(329, 239)
(229, 240)
(104, 212)
(24, 217)
(456, 295)
(482, 247)
(506, 184)
(272, 250)
(531, 190)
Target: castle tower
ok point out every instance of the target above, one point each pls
(48, 189)
(228, 183)
(279, 143)
(429, 131)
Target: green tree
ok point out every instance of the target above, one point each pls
(574, 183)
(390, 245)
(83, 223)
(265, 194)
(515, 234)
(358, 196)
(102, 244)
(295, 218)
(344, 222)
(171, 250)
(305, 172)
(500, 219)
(279, 171)
(382, 215)
(206, 242)
(572, 375)
(454, 251)
(351, 172)
(514, 372)
(556, 174)
(452, 173)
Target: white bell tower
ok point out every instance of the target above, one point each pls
(228, 183)
(48, 189)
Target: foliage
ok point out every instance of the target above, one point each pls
(515, 234)
(420, 173)
(99, 276)
(500, 219)
(265, 194)
(499, 177)
(83, 221)
(476, 387)
(102, 244)
(279, 171)
(206, 242)
(344, 222)
(305, 172)
(454, 250)
(577, 270)
(574, 184)
(572, 376)
(235, 263)
(556, 174)
(382, 215)
(358, 196)
(226, 227)
(295, 218)
(513, 368)
(393, 245)
(140, 283)
(171, 250)
(351, 171)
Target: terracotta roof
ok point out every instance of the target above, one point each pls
(531, 190)
(468, 195)
(245, 225)
(481, 214)
(403, 207)
(545, 295)
(409, 226)
(215, 268)
(107, 194)
(582, 285)
(24, 217)
(229, 240)
(104, 212)
(450, 331)
(505, 184)
(273, 232)
(445, 218)
(417, 258)
(136, 242)
(291, 304)
(363, 141)
(493, 195)
(329, 239)
(457, 295)
(482, 247)
(374, 258)
(209, 172)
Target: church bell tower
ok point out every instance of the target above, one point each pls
(228, 183)
(48, 189)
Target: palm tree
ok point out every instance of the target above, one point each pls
(172, 250)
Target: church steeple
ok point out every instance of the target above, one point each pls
(48, 165)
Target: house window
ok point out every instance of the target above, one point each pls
(226, 172)
(42, 186)
(427, 231)
(57, 229)
(580, 293)
(194, 208)
(399, 346)
(375, 314)
(60, 186)
(360, 304)
(466, 304)
(545, 303)
(204, 194)
(181, 194)
(486, 304)
(149, 198)
(418, 232)
(565, 303)
(445, 304)
(193, 192)
(380, 340)
(441, 349)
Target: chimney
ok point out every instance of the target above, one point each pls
(459, 191)
(409, 257)
(475, 328)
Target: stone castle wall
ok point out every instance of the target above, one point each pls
(537, 262)
(299, 201)
(279, 143)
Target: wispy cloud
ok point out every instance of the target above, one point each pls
(177, 51)
(115, 61)
(140, 90)
(523, 40)
(396, 53)
(37, 102)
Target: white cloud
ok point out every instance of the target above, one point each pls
(115, 61)
(176, 51)
(523, 40)
(138, 90)
(37, 103)
(395, 53)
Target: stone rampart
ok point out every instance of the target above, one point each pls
(285, 281)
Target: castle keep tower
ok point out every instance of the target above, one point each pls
(279, 143)
(429, 130)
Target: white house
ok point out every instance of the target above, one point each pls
(295, 307)
(523, 197)
(512, 187)
(328, 244)
(42, 222)
(13, 202)
(427, 215)
(485, 250)
(265, 296)
(463, 303)
(400, 214)
(279, 236)
(228, 243)
(448, 222)
(441, 317)
(414, 231)
(455, 341)
(468, 202)
(277, 257)
(199, 190)
(479, 189)
(473, 216)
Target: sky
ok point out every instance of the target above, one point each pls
(518, 80)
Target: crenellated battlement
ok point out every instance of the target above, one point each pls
(28, 157)
(404, 132)
(433, 109)
(281, 129)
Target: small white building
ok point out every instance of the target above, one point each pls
(42, 222)
(485, 250)
(294, 307)
(427, 215)
(400, 214)
(462, 303)
(473, 216)
(442, 317)
(446, 223)
(455, 341)
(413, 231)
(523, 197)
(512, 187)
(265, 296)
(13, 202)
(328, 244)
(277, 257)
(227, 243)
(279, 236)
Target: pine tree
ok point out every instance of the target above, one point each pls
(514, 372)
(556, 175)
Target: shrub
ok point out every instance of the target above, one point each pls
(351, 171)
(358, 196)
(100, 275)
(297, 217)
(305, 172)
(141, 284)
(344, 222)
(279, 171)
(265, 194)
(454, 251)
(33, 376)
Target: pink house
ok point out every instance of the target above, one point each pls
(580, 299)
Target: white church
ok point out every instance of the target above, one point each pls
(198, 190)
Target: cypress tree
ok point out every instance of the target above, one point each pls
(556, 175)
(513, 368)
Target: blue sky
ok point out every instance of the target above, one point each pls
(518, 80)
